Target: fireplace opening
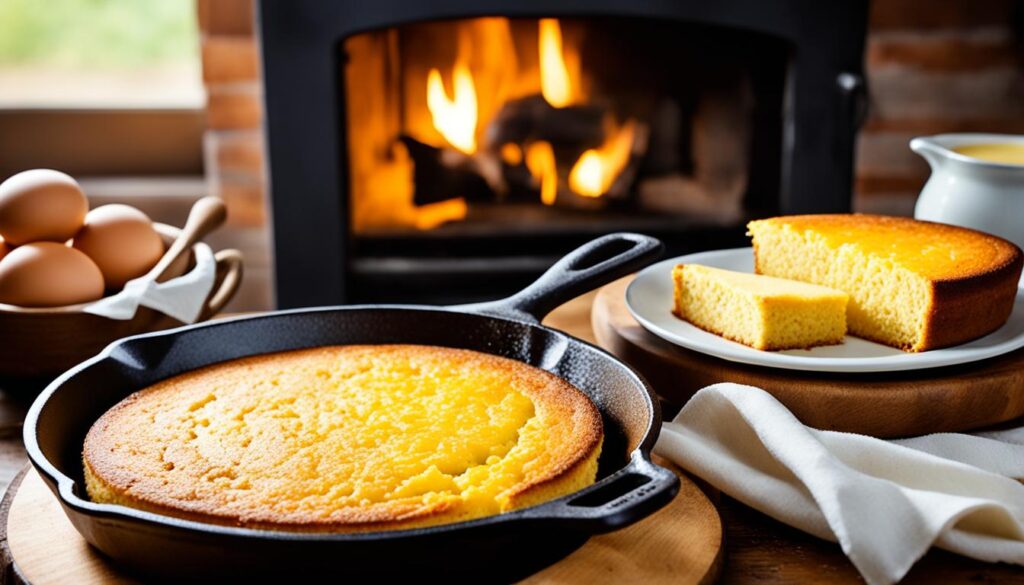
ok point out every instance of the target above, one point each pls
(450, 151)
(480, 149)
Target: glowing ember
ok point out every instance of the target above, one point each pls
(597, 168)
(428, 217)
(555, 82)
(454, 117)
(511, 154)
(540, 159)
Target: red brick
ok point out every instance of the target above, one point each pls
(246, 202)
(939, 14)
(888, 154)
(234, 106)
(939, 53)
(899, 93)
(234, 152)
(226, 17)
(882, 184)
(927, 126)
(886, 203)
(229, 59)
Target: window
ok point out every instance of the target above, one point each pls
(100, 87)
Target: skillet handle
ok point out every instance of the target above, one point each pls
(593, 264)
(631, 494)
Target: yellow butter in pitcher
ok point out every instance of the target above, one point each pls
(1011, 154)
(977, 182)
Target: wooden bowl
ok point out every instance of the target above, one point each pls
(37, 344)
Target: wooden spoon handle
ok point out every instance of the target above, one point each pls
(206, 215)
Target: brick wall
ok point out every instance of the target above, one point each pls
(234, 156)
(933, 66)
(233, 142)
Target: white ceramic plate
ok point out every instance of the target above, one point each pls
(649, 298)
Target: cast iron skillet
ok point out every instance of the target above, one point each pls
(497, 548)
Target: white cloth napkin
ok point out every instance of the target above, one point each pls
(182, 298)
(885, 502)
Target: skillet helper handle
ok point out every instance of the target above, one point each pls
(586, 268)
(629, 495)
(229, 278)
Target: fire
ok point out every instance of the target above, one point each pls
(511, 154)
(392, 201)
(597, 168)
(459, 89)
(455, 118)
(540, 159)
(556, 81)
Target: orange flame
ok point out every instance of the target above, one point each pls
(540, 159)
(388, 199)
(597, 168)
(557, 84)
(454, 117)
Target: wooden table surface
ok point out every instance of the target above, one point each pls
(759, 550)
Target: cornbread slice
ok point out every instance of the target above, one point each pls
(914, 285)
(346, 438)
(759, 311)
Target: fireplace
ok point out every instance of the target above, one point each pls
(450, 151)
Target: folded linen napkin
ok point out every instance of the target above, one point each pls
(885, 502)
(182, 298)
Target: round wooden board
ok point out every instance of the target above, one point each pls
(889, 404)
(680, 544)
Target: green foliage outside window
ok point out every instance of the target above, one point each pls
(97, 33)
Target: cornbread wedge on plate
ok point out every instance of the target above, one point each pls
(760, 311)
(914, 285)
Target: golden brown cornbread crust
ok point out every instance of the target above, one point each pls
(136, 455)
(969, 299)
(966, 308)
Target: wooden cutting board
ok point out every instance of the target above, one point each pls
(679, 544)
(889, 404)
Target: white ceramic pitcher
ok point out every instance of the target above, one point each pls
(970, 192)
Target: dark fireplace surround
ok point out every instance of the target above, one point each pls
(822, 105)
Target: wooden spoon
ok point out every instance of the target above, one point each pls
(206, 215)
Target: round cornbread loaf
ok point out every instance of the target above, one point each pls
(346, 438)
(915, 285)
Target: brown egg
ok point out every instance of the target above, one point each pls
(121, 240)
(4, 248)
(41, 205)
(48, 274)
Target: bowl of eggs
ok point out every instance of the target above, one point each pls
(57, 258)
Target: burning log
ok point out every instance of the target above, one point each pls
(575, 157)
(606, 156)
(532, 119)
(443, 173)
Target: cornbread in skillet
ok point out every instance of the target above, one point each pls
(914, 285)
(346, 438)
(760, 311)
